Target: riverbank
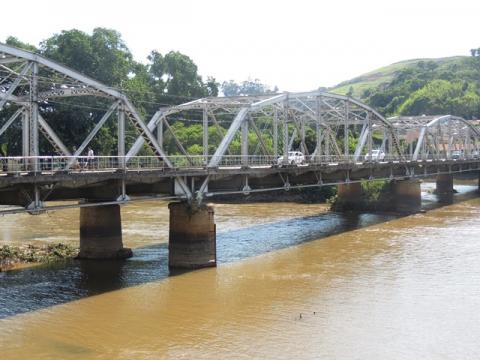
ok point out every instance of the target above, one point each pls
(14, 257)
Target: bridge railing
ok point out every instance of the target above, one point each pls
(53, 164)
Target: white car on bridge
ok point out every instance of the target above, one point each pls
(294, 158)
(377, 155)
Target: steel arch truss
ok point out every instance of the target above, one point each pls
(438, 137)
(343, 128)
(28, 80)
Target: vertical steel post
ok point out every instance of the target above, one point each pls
(327, 142)
(25, 137)
(450, 141)
(160, 133)
(121, 136)
(25, 133)
(467, 151)
(345, 130)
(205, 135)
(370, 135)
(318, 117)
(275, 132)
(34, 146)
(302, 135)
(285, 131)
(390, 143)
(244, 140)
(424, 145)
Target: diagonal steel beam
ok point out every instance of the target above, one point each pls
(222, 148)
(11, 120)
(420, 141)
(177, 141)
(154, 121)
(220, 130)
(90, 136)
(147, 134)
(260, 138)
(52, 136)
(361, 142)
(14, 85)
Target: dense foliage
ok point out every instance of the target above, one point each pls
(431, 88)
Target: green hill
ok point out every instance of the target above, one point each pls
(384, 75)
(449, 85)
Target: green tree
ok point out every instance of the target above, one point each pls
(247, 87)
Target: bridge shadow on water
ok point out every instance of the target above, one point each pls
(40, 287)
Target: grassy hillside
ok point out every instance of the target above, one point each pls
(384, 75)
(448, 85)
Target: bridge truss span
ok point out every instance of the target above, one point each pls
(437, 136)
(33, 88)
(241, 144)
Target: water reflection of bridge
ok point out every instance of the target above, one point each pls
(245, 148)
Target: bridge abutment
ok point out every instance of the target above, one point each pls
(444, 184)
(192, 238)
(348, 196)
(407, 195)
(101, 233)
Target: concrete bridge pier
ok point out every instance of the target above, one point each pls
(348, 196)
(192, 238)
(407, 195)
(101, 233)
(444, 184)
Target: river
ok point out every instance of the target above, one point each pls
(293, 281)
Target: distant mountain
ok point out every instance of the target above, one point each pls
(449, 85)
(385, 75)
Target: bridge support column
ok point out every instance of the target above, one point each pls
(444, 184)
(348, 196)
(407, 195)
(192, 239)
(101, 233)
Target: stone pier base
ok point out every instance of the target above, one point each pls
(101, 233)
(192, 239)
(407, 195)
(349, 196)
(444, 184)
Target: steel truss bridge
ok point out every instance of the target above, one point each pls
(243, 140)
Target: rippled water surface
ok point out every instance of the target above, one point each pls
(293, 282)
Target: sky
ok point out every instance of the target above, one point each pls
(297, 45)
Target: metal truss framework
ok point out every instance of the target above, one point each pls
(342, 128)
(27, 79)
(281, 120)
(437, 136)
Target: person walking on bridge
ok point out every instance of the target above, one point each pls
(90, 158)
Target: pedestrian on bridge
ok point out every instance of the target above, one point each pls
(90, 158)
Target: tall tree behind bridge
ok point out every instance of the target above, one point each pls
(247, 87)
(104, 56)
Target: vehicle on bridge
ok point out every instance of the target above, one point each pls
(294, 158)
(376, 155)
(457, 154)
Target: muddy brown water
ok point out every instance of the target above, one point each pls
(293, 281)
